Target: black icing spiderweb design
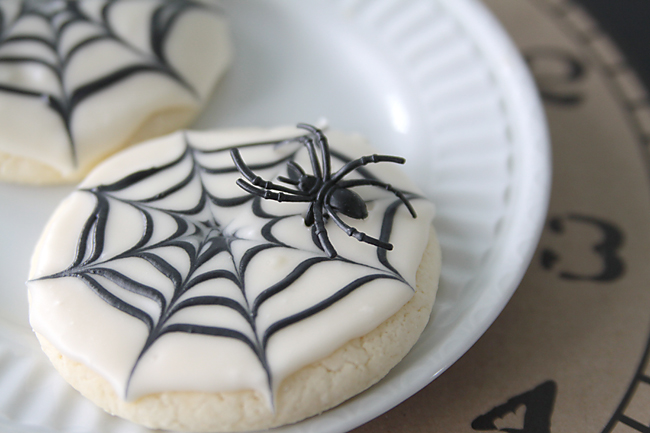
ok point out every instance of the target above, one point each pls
(49, 35)
(199, 231)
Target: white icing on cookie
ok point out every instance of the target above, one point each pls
(162, 274)
(81, 79)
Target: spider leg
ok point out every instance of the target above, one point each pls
(287, 180)
(255, 179)
(321, 232)
(365, 160)
(296, 167)
(295, 171)
(313, 157)
(309, 216)
(324, 146)
(387, 187)
(271, 195)
(351, 231)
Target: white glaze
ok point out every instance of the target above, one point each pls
(197, 48)
(179, 361)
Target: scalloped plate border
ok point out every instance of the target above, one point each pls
(517, 237)
(462, 318)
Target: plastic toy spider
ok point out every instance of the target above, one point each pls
(328, 193)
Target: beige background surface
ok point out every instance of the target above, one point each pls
(563, 356)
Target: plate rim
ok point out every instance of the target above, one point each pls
(523, 103)
(523, 98)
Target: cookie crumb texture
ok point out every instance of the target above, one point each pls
(170, 296)
(80, 80)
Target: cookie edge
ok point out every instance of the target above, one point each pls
(365, 358)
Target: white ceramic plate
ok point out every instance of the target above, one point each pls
(436, 81)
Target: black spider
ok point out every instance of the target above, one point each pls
(328, 193)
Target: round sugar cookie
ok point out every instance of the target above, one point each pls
(80, 80)
(181, 288)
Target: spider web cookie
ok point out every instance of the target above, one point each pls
(82, 79)
(168, 277)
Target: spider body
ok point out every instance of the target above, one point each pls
(327, 193)
(348, 203)
(342, 200)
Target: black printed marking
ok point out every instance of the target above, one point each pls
(538, 404)
(558, 73)
(606, 249)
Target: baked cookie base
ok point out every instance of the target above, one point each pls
(315, 388)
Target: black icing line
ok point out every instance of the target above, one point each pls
(209, 276)
(162, 266)
(59, 20)
(260, 212)
(292, 277)
(158, 34)
(262, 166)
(116, 302)
(267, 232)
(126, 283)
(138, 176)
(213, 301)
(267, 229)
(275, 143)
(386, 228)
(342, 293)
(93, 245)
(90, 89)
(213, 331)
(229, 202)
(85, 43)
(171, 190)
(19, 59)
(148, 231)
(216, 245)
(162, 22)
(50, 44)
(249, 255)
